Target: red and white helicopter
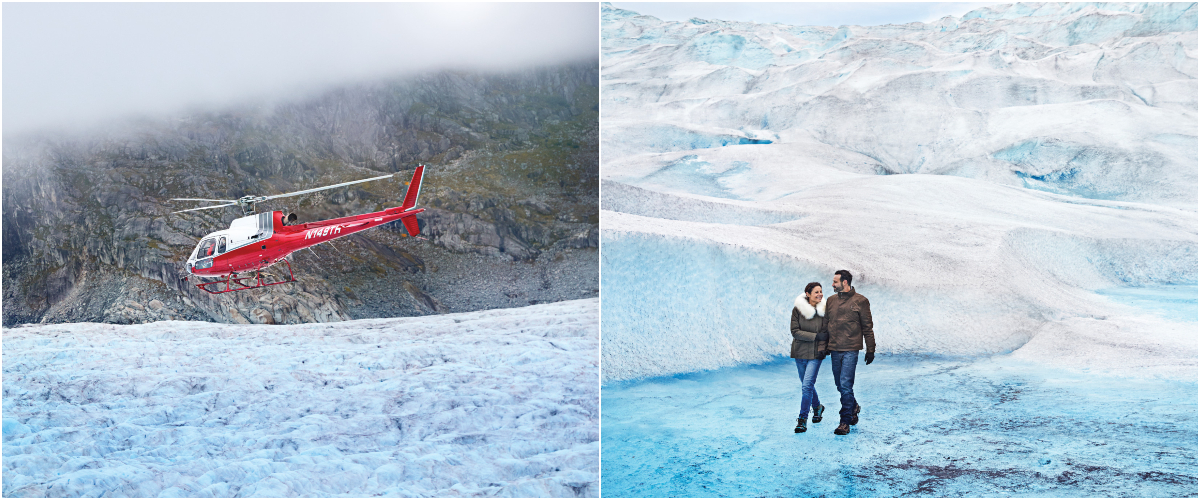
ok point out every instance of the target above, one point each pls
(252, 243)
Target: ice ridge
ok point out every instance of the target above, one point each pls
(954, 97)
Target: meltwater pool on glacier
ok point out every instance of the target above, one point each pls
(1174, 302)
(929, 426)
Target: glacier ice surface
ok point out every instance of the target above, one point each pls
(489, 403)
(1015, 191)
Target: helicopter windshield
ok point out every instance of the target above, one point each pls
(206, 248)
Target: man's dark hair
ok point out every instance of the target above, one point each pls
(808, 288)
(846, 276)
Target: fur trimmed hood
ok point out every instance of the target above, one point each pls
(807, 310)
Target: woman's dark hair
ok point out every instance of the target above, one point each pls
(808, 288)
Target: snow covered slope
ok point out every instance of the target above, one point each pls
(492, 403)
(1048, 153)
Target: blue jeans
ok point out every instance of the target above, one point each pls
(808, 377)
(844, 363)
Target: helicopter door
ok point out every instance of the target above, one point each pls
(265, 226)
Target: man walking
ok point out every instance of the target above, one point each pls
(848, 324)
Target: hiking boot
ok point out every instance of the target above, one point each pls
(842, 429)
(854, 419)
(801, 424)
(817, 413)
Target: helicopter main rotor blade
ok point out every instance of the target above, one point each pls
(206, 208)
(313, 190)
(203, 199)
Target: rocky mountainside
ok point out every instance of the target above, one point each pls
(511, 190)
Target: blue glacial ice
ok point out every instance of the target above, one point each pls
(930, 427)
(1031, 269)
(697, 174)
(716, 47)
(1087, 171)
(660, 138)
(490, 403)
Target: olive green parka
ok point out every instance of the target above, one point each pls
(807, 321)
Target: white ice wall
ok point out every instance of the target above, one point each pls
(684, 295)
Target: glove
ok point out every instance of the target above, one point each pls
(823, 336)
(821, 354)
(870, 357)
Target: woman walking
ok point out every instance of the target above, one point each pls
(808, 349)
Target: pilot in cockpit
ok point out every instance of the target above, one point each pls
(206, 248)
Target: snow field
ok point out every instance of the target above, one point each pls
(495, 403)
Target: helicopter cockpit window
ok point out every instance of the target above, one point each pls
(206, 248)
(221, 245)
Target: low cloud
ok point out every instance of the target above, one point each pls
(73, 65)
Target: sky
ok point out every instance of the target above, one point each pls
(74, 65)
(805, 13)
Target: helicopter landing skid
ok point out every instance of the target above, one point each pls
(232, 284)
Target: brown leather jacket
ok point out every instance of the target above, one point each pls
(848, 321)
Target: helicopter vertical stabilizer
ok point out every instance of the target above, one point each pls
(414, 189)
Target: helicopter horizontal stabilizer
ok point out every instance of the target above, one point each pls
(414, 190)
